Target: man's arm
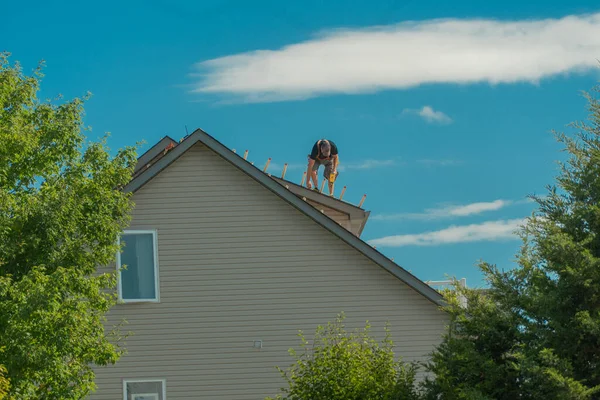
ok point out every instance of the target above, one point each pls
(334, 156)
(310, 174)
(336, 160)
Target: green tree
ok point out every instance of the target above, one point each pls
(342, 365)
(4, 383)
(535, 333)
(61, 209)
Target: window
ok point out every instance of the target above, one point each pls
(138, 281)
(144, 389)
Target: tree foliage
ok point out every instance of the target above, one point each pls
(343, 365)
(535, 333)
(61, 209)
(4, 383)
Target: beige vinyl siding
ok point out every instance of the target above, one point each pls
(237, 264)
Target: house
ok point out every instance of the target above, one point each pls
(227, 263)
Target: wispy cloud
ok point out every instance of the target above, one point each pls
(367, 164)
(447, 211)
(477, 208)
(486, 231)
(405, 55)
(275, 167)
(442, 163)
(429, 114)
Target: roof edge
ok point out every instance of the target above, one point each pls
(153, 151)
(364, 223)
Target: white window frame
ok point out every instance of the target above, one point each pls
(156, 298)
(162, 380)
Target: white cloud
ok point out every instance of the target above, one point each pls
(406, 55)
(276, 168)
(442, 163)
(429, 115)
(487, 231)
(366, 164)
(477, 208)
(448, 211)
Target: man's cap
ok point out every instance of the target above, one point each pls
(325, 148)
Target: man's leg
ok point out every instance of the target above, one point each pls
(313, 174)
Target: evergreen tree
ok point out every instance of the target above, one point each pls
(535, 333)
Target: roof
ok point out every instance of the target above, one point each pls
(356, 214)
(155, 152)
(163, 159)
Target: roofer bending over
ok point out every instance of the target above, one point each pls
(324, 152)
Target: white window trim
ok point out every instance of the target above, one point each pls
(163, 381)
(156, 299)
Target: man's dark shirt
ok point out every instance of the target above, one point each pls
(315, 151)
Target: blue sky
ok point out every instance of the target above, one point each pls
(442, 111)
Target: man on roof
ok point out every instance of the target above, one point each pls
(324, 152)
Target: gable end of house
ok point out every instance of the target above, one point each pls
(164, 157)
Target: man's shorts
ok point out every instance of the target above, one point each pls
(328, 167)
